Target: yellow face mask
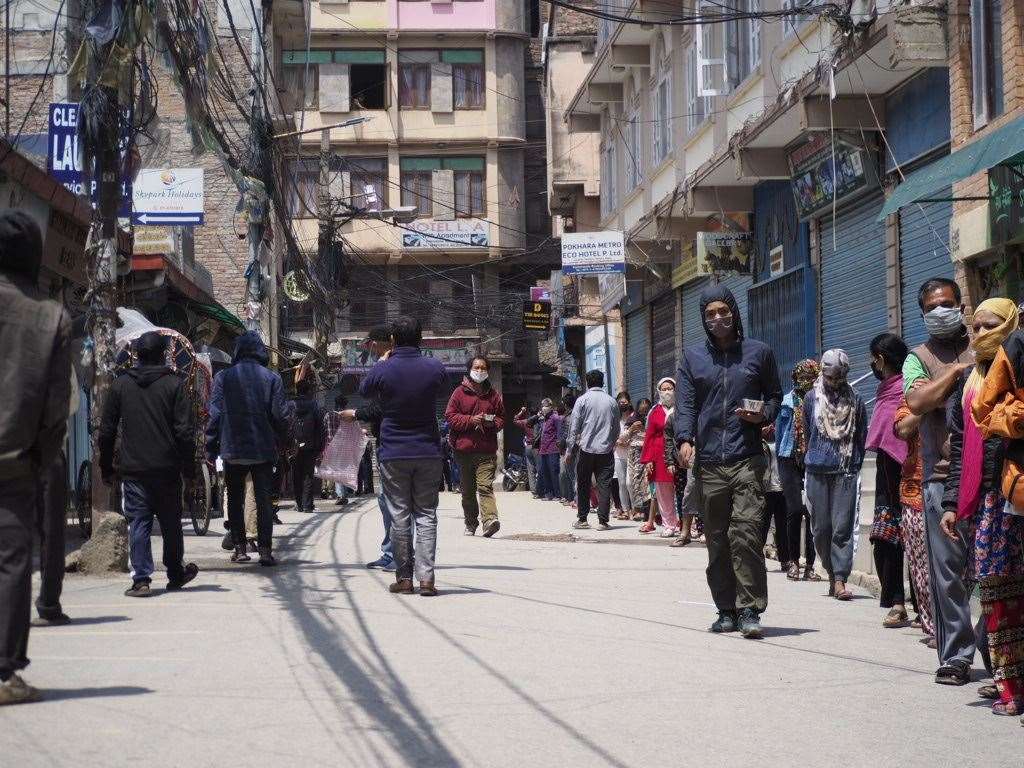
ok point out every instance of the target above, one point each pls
(987, 344)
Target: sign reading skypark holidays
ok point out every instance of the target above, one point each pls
(457, 233)
(536, 315)
(593, 253)
(168, 196)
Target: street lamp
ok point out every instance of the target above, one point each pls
(343, 124)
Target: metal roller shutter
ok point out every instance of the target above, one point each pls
(853, 291)
(693, 326)
(924, 253)
(778, 317)
(638, 353)
(663, 337)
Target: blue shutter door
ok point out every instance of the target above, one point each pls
(778, 318)
(693, 326)
(638, 353)
(853, 294)
(663, 336)
(924, 253)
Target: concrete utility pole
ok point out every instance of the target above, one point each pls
(257, 214)
(323, 317)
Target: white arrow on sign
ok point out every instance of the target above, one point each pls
(155, 218)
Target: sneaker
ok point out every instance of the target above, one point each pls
(750, 624)
(470, 530)
(581, 525)
(491, 528)
(390, 567)
(382, 562)
(52, 620)
(14, 690)
(603, 527)
(726, 622)
(190, 572)
(138, 589)
(267, 560)
(228, 542)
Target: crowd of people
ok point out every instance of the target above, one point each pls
(721, 453)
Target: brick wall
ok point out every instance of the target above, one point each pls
(569, 22)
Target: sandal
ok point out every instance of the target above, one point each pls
(638, 516)
(917, 623)
(896, 618)
(622, 516)
(988, 692)
(793, 573)
(647, 528)
(681, 541)
(953, 673)
(811, 575)
(1007, 708)
(844, 595)
(669, 533)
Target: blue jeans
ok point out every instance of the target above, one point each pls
(386, 548)
(547, 476)
(142, 499)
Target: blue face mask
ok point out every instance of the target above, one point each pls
(944, 322)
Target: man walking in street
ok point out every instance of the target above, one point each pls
(728, 387)
(308, 436)
(406, 386)
(931, 373)
(247, 425)
(35, 372)
(149, 407)
(593, 431)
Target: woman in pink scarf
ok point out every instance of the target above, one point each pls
(887, 355)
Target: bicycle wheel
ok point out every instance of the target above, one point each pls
(508, 483)
(200, 502)
(83, 498)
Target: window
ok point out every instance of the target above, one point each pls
(743, 43)
(634, 169)
(300, 85)
(698, 108)
(662, 124)
(303, 183)
(368, 181)
(986, 60)
(793, 22)
(351, 78)
(441, 81)
(776, 261)
(445, 187)
(368, 84)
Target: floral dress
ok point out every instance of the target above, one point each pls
(639, 488)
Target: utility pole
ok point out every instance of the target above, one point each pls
(323, 317)
(257, 211)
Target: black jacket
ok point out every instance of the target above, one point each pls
(151, 406)
(711, 384)
(992, 456)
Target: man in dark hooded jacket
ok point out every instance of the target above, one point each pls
(35, 377)
(727, 388)
(150, 407)
(308, 438)
(247, 425)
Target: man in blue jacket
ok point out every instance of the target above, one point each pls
(406, 386)
(247, 424)
(728, 387)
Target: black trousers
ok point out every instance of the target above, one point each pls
(51, 511)
(303, 480)
(775, 508)
(17, 515)
(262, 482)
(600, 466)
(791, 477)
(888, 556)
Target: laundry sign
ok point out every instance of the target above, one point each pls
(64, 155)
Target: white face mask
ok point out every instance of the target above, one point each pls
(668, 399)
(478, 376)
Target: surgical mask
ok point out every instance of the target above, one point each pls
(478, 376)
(944, 322)
(720, 327)
(668, 399)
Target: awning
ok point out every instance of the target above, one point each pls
(991, 150)
(218, 313)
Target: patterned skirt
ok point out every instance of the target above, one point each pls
(639, 488)
(999, 568)
(915, 544)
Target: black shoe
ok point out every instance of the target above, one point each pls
(491, 528)
(750, 624)
(52, 620)
(138, 589)
(228, 542)
(266, 559)
(190, 572)
(956, 672)
(341, 502)
(726, 622)
(278, 520)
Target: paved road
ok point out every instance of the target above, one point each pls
(537, 653)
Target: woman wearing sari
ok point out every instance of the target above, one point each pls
(984, 414)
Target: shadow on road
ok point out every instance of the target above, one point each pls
(67, 694)
(84, 622)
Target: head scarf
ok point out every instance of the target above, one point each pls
(835, 414)
(985, 348)
(805, 373)
(668, 410)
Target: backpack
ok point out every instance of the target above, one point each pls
(306, 430)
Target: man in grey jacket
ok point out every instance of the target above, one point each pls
(35, 377)
(593, 430)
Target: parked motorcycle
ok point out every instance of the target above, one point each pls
(515, 472)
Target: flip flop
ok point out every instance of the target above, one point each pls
(844, 595)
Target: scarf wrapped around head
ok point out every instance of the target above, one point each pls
(834, 413)
(805, 373)
(985, 347)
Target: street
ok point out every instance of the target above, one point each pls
(539, 651)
